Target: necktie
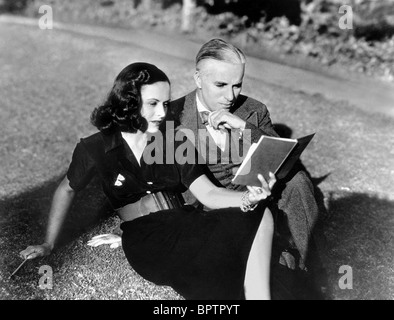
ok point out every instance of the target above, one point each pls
(204, 117)
(219, 136)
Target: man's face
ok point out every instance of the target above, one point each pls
(219, 83)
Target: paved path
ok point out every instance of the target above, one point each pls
(367, 94)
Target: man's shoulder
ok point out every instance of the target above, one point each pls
(246, 103)
(179, 106)
(180, 102)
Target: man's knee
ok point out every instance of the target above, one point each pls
(300, 180)
(298, 196)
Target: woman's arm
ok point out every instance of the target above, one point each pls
(61, 203)
(215, 198)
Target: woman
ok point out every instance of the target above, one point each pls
(221, 254)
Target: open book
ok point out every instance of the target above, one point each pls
(277, 155)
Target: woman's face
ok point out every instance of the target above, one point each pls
(155, 101)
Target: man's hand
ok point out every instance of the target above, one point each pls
(223, 119)
(32, 252)
(113, 240)
(260, 193)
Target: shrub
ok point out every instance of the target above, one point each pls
(13, 6)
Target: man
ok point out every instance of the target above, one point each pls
(233, 121)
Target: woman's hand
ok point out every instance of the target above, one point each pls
(112, 239)
(32, 252)
(260, 193)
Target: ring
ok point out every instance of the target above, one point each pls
(260, 190)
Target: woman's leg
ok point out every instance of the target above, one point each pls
(257, 277)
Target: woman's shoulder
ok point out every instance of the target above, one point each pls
(100, 143)
(93, 144)
(94, 138)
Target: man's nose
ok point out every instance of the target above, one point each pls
(230, 94)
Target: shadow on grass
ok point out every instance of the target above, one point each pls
(23, 222)
(359, 233)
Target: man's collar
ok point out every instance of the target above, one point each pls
(200, 106)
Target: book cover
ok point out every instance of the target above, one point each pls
(270, 154)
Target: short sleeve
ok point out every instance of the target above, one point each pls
(190, 172)
(186, 160)
(82, 168)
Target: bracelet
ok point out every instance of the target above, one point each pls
(246, 205)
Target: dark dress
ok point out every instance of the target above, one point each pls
(202, 255)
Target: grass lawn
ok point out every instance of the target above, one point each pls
(50, 81)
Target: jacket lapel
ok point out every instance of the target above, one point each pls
(241, 110)
(189, 115)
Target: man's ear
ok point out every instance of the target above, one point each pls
(197, 79)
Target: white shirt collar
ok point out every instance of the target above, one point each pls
(200, 106)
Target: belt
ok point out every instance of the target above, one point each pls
(161, 200)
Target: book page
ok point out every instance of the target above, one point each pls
(266, 156)
(248, 155)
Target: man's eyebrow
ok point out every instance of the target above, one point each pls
(220, 82)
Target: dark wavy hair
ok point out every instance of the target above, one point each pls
(122, 108)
